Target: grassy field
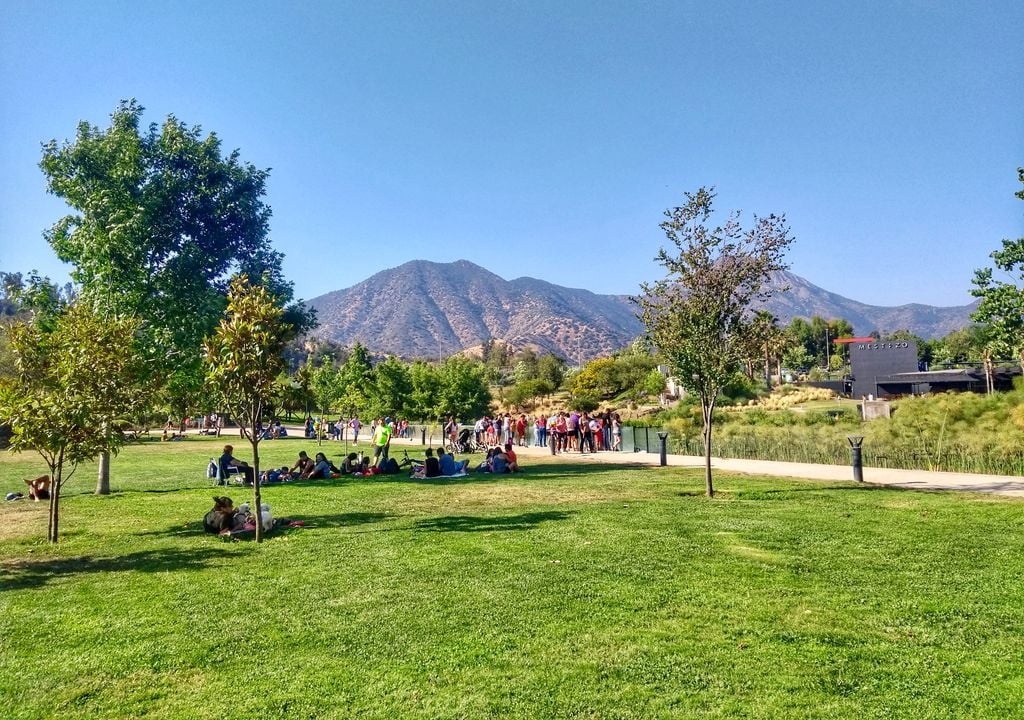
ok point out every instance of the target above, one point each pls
(571, 591)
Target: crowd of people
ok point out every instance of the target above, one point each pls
(321, 428)
(568, 431)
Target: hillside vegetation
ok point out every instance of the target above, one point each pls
(964, 432)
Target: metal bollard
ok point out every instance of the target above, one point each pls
(663, 437)
(423, 436)
(855, 456)
(552, 443)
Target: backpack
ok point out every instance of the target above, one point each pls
(211, 469)
(390, 467)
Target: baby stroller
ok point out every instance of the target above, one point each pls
(462, 444)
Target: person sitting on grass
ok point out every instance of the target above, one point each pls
(499, 461)
(223, 516)
(39, 488)
(303, 466)
(350, 464)
(431, 467)
(449, 465)
(510, 455)
(322, 468)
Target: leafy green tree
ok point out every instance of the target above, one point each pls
(244, 357)
(1001, 309)
(766, 342)
(552, 369)
(527, 366)
(325, 385)
(596, 379)
(697, 317)
(77, 380)
(426, 389)
(582, 402)
(960, 347)
(463, 391)
(654, 383)
(356, 391)
(524, 393)
(393, 387)
(161, 220)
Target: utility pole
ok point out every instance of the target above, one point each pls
(827, 353)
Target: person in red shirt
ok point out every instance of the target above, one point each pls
(513, 461)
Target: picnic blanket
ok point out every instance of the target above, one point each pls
(249, 529)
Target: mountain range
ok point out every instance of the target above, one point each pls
(429, 309)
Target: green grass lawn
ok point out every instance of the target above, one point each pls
(571, 591)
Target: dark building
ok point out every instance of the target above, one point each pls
(875, 360)
(955, 380)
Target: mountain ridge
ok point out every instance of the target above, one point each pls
(424, 308)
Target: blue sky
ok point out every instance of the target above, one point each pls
(546, 138)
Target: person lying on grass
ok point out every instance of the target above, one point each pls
(276, 475)
(39, 488)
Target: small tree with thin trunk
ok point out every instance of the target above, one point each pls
(1001, 310)
(698, 317)
(243, 359)
(78, 380)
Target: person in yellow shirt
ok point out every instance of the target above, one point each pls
(381, 441)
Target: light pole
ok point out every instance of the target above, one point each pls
(827, 366)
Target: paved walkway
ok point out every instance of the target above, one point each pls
(910, 479)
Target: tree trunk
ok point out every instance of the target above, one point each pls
(103, 477)
(254, 440)
(56, 478)
(51, 525)
(707, 410)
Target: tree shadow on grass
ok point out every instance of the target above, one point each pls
(783, 493)
(564, 469)
(37, 573)
(470, 523)
(339, 520)
(195, 527)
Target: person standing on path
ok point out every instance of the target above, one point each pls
(381, 442)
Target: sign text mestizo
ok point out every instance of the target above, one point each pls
(872, 360)
(886, 346)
